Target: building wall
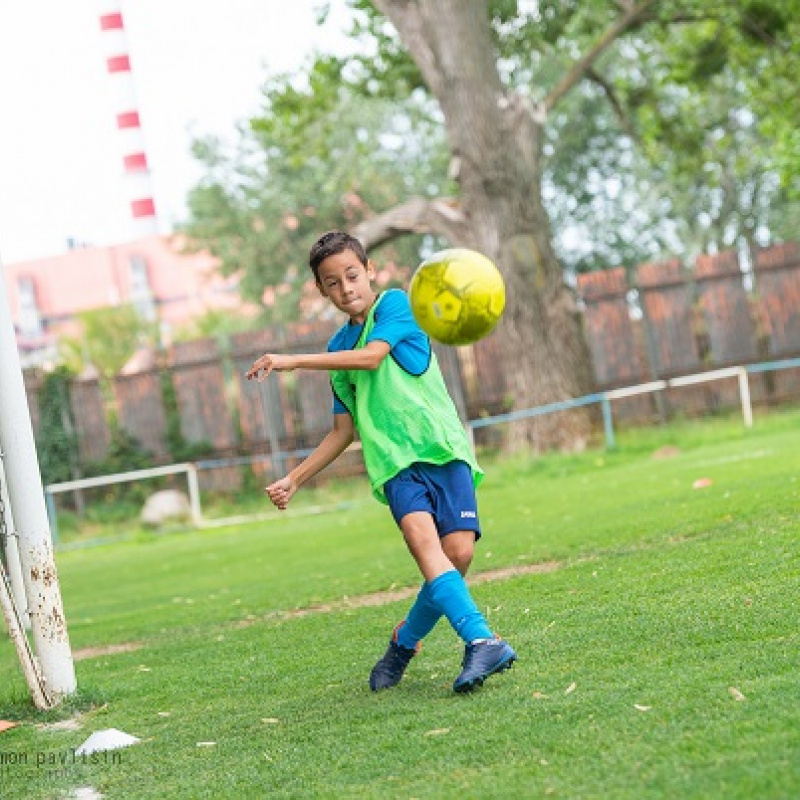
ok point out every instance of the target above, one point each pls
(182, 286)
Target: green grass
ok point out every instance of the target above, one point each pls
(673, 599)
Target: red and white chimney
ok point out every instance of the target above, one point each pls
(138, 181)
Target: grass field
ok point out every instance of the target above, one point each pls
(659, 649)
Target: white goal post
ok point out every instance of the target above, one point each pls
(16, 630)
(26, 498)
(10, 549)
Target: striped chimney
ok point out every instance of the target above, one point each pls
(138, 181)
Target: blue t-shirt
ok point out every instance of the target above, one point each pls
(395, 325)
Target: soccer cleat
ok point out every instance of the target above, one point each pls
(390, 668)
(482, 659)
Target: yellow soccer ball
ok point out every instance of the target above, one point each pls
(457, 296)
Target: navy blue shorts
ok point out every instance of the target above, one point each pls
(445, 491)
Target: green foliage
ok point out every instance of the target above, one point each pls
(772, 31)
(109, 337)
(681, 138)
(214, 324)
(380, 65)
(320, 156)
(125, 454)
(56, 442)
(180, 450)
(675, 141)
(672, 124)
(117, 501)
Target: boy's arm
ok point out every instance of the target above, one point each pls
(328, 450)
(368, 358)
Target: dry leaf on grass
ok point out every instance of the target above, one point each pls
(641, 708)
(571, 688)
(736, 694)
(437, 732)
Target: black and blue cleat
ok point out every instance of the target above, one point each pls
(482, 659)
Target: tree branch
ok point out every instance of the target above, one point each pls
(409, 22)
(758, 31)
(580, 67)
(616, 105)
(441, 217)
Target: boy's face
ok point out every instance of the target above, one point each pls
(345, 281)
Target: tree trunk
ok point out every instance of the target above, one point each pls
(495, 138)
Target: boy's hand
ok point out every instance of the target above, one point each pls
(269, 362)
(281, 492)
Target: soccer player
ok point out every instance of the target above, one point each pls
(387, 385)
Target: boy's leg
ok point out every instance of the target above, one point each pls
(485, 654)
(459, 547)
(424, 613)
(422, 617)
(446, 586)
(415, 496)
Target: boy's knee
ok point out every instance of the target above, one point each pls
(459, 548)
(417, 527)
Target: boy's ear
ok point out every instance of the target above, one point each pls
(370, 268)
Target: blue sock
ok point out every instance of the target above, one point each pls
(420, 620)
(450, 593)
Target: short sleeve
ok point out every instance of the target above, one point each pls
(338, 406)
(395, 324)
(394, 320)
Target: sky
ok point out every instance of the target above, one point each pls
(198, 66)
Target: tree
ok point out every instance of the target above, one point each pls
(217, 324)
(109, 337)
(758, 42)
(320, 154)
(707, 118)
(545, 106)
(501, 75)
(496, 139)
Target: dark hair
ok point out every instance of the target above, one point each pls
(331, 243)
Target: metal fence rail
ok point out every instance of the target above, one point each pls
(604, 398)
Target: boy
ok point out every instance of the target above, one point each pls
(387, 385)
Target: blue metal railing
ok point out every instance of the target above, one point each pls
(604, 398)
